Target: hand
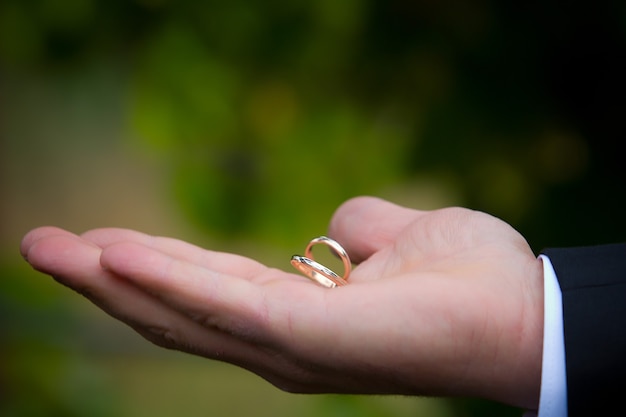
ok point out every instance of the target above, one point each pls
(445, 303)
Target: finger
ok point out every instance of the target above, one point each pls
(76, 264)
(211, 297)
(219, 261)
(365, 225)
(35, 235)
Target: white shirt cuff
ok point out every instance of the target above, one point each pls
(553, 397)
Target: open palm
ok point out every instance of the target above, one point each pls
(444, 302)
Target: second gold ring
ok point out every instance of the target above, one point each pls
(318, 272)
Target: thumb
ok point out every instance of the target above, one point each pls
(364, 225)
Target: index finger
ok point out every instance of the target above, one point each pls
(215, 299)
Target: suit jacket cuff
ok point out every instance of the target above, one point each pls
(593, 285)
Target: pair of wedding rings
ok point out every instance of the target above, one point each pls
(318, 272)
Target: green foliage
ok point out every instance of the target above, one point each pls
(262, 108)
(251, 129)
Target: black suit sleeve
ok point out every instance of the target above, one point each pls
(593, 284)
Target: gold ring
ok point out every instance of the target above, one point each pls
(318, 272)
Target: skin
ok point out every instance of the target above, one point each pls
(442, 303)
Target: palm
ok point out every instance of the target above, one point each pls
(434, 305)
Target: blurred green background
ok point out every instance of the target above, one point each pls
(242, 125)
